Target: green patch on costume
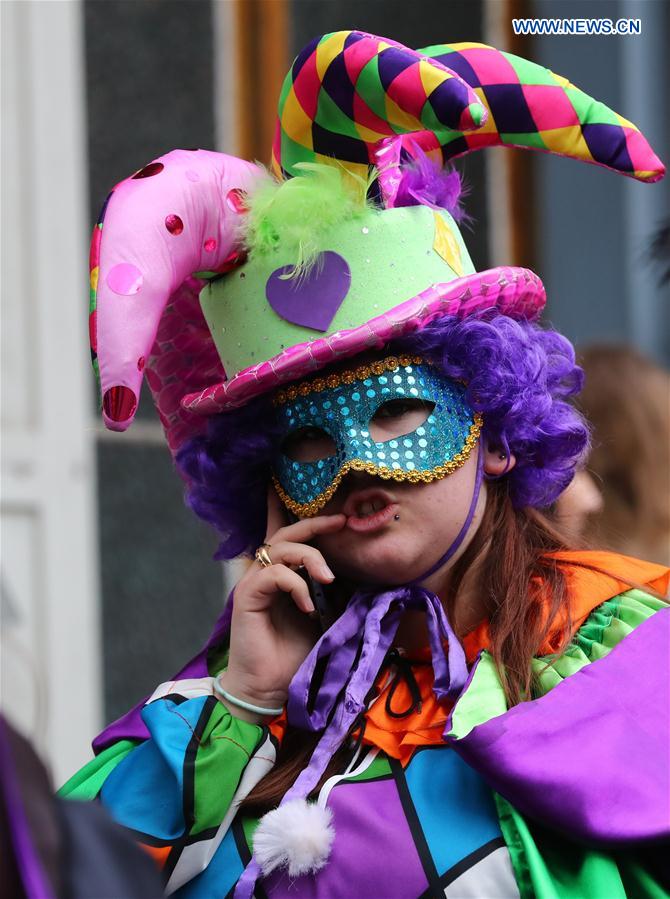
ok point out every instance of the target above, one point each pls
(249, 826)
(605, 628)
(482, 699)
(226, 746)
(379, 767)
(549, 866)
(88, 781)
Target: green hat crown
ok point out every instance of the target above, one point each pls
(319, 263)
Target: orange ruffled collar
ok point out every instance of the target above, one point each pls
(587, 588)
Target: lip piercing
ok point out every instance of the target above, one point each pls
(396, 517)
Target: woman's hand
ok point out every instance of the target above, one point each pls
(271, 628)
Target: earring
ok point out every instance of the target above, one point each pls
(502, 456)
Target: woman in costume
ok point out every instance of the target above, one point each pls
(377, 425)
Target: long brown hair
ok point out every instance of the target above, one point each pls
(524, 591)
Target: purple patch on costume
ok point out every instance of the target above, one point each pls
(310, 300)
(366, 816)
(590, 758)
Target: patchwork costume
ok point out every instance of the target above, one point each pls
(222, 287)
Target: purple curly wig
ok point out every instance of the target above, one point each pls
(519, 376)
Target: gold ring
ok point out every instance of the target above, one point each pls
(263, 556)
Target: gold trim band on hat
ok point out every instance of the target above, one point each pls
(306, 510)
(316, 385)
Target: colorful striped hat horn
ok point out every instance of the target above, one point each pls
(348, 92)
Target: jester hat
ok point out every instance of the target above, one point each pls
(351, 101)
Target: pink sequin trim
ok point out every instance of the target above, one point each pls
(516, 292)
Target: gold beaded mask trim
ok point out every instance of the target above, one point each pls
(397, 418)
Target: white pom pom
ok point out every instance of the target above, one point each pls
(297, 835)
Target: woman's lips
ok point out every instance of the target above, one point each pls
(374, 522)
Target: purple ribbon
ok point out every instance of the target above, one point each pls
(365, 631)
(368, 626)
(460, 537)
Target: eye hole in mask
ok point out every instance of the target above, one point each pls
(308, 445)
(394, 418)
(397, 417)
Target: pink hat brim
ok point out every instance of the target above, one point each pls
(516, 292)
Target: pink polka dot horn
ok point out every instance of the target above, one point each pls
(176, 216)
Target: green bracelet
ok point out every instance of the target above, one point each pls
(249, 706)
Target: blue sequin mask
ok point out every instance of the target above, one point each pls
(358, 420)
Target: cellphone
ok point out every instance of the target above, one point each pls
(323, 609)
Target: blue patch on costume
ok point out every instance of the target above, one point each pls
(135, 792)
(464, 819)
(224, 869)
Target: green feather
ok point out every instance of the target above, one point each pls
(294, 216)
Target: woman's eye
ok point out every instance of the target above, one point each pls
(397, 417)
(393, 409)
(308, 444)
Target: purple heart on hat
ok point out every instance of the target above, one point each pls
(310, 300)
